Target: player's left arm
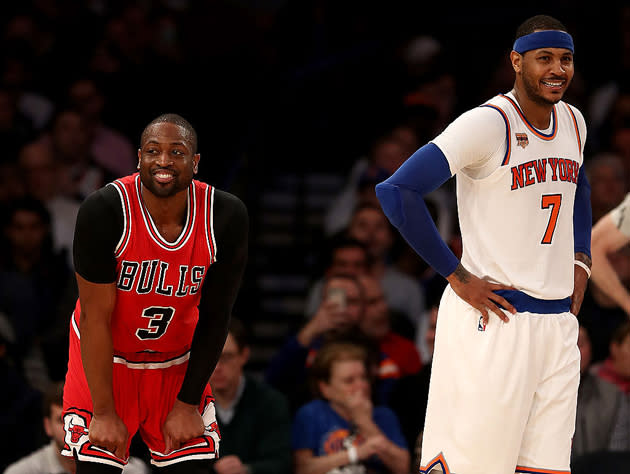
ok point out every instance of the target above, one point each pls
(219, 291)
(582, 226)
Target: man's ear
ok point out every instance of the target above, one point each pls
(517, 61)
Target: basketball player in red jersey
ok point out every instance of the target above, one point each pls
(159, 259)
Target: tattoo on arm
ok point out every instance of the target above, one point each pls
(462, 274)
(582, 257)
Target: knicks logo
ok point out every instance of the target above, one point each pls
(522, 140)
(334, 442)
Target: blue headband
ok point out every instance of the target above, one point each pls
(543, 39)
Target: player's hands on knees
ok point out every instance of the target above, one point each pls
(230, 465)
(480, 294)
(182, 424)
(108, 431)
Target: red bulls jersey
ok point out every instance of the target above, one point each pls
(158, 286)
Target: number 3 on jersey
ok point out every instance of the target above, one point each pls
(552, 201)
(160, 317)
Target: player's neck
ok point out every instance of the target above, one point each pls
(539, 115)
(166, 211)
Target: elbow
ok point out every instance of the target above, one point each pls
(389, 197)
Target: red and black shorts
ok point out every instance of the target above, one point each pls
(144, 394)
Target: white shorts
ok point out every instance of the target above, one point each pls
(501, 399)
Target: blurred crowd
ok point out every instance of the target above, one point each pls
(307, 86)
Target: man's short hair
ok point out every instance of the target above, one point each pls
(342, 241)
(239, 332)
(539, 22)
(52, 396)
(176, 120)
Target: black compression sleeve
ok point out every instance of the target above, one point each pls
(219, 291)
(97, 231)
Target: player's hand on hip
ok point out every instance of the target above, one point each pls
(108, 431)
(230, 465)
(480, 294)
(182, 424)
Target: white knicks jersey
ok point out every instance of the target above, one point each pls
(515, 204)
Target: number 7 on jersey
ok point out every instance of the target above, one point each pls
(552, 201)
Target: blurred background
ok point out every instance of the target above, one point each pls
(301, 106)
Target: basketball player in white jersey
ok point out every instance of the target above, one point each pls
(506, 367)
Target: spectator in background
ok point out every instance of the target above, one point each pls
(619, 130)
(110, 149)
(616, 368)
(342, 427)
(20, 413)
(360, 315)
(15, 129)
(42, 176)
(603, 412)
(342, 256)
(33, 278)
(607, 300)
(339, 312)
(253, 418)
(385, 155)
(404, 295)
(70, 142)
(606, 174)
(11, 185)
(401, 357)
(48, 459)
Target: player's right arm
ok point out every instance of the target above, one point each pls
(611, 233)
(97, 231)
(402, 199)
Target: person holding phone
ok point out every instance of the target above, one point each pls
(339, 312)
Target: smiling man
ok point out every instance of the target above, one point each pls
(159, 259)
(506, 366)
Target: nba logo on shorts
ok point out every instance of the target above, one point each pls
(481, 326)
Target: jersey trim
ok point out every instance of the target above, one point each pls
(200, 448)
(127, 221)
(528, 304)
(536, 470)
(538, 133)
(508, 134)
(151, 227)
(75, 326)
(439, 459)
(577, 130)
(209, 223)
(153, 364)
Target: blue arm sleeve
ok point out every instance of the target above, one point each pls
(401, 197)
(582, 215)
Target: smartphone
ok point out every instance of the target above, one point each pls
(338, 296)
